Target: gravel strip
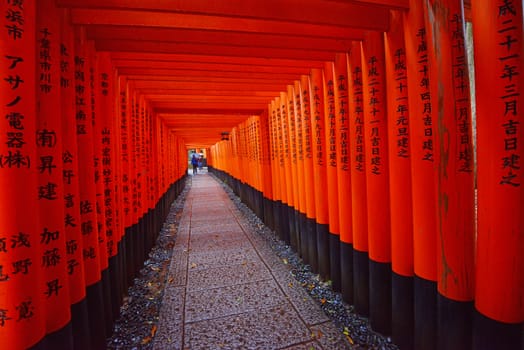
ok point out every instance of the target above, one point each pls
(139, 314)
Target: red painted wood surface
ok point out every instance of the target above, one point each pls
(399, 149)
(500, 262)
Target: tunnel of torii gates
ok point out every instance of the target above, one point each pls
(364, 160)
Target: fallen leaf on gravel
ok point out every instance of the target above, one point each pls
(346, 333)
(153, 331)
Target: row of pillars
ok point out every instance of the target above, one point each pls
(373, 171)
(87, 175)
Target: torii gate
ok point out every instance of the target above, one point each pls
(350, 133)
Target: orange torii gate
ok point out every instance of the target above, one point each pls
(350, 133)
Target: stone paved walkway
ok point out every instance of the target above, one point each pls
(227, 289)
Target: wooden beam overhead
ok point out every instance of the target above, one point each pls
(209, 86)
(169, 74)
(200, 110)
(207, 22)
(167, 92)
(162, 58)
(371, 14)
(225, 38)
(111, 45)
(212, 67)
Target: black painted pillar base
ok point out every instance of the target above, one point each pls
(312, 249)
(302, 239)
(97, 323)
(293, 234)
(346, 272)
(136, 248)
(108, 307)
(323, 250)
(380, 296)
(122, 257)
(361, 282)
(425, 318)
(115, 272)
(260, 205)
(61, 339)
(454, 324)
(284, 221)
(130, 255)
(269, 220)
(402, 311)
(297, 230)
(277, 209)
(491, 334)
(142, 241)
(334, 261)
(80, 323)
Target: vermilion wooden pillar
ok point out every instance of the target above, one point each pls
(455, 178)
(118, 204)
(400, 188)
(301, 228)
(49, 166)
(97, 115)
(286, 153)
(275, 167)
(499, 296)
(293, 158)
(134, 180)
(23, 314)
(422, 107)
(310, 249)
(330, 115)
(345, 210)
(72, 219)
(105, 90)
(377, 174)
(123, 120)
(267, 174)
(283, 217)
(358, 183)
(88, 223)
(258, 201)
(319, 166)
